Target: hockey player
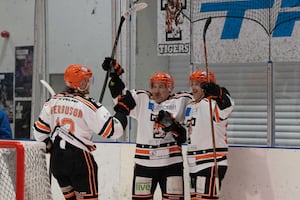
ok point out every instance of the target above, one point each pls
(67, 123)
(158, 153)
(202, 158)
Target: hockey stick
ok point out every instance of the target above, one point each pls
(207, 23)
(136, 7)
(48, 87)
(52, 92)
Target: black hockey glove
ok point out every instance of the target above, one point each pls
(170, 124)
(112, 65)
(125, 103)
(49, 145)
(116, 85)
(211, 90)
(224, 101)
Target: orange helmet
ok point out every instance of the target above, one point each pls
(201, 76)
(75, 74)
(163, 77)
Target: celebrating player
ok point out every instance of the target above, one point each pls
(67, 123)
(203, 154)
(158, 154)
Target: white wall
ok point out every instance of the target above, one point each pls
(16, 17)
(76, 32)
(253, 173)
(79, 32)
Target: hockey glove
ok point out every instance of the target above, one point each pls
(49, 145)
(112, 65)
(170, 124)
(211, 90)
(116, 85)
(125, 103)
(224, 101)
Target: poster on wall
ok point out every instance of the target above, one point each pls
(22, 119)
(6, 94)
(173, 30)
(23, 71)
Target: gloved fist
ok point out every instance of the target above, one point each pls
(108, 63)
(170, 124)
(224, 101)
(112, 65)
(211, 90)
(125, 103)
(49, 145)
(164, 118)
(116, 85)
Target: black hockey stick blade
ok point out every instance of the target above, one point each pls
(207, 23)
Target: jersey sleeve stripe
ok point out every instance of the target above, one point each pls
(107, 129)
(41, 127)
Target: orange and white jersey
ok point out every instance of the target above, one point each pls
(81, 117)
(155, 147)
(200, 154)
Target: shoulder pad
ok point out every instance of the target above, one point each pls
(90, 102)
(183, 95)
(143, 92)
(94, 102)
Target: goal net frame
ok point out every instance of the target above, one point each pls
(24, 174)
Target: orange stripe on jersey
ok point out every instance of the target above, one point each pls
(41, 126)
(146, 152)
(142, 151)
(211, 155)
(86, 102)
(108, 129)
(175, 149)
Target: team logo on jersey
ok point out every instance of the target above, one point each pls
(158, 131)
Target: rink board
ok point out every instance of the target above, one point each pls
(254, 173)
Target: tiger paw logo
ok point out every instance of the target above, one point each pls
(158, 131)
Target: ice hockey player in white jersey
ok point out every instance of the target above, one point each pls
(203, 155)
(158, 153)
(67, 123)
